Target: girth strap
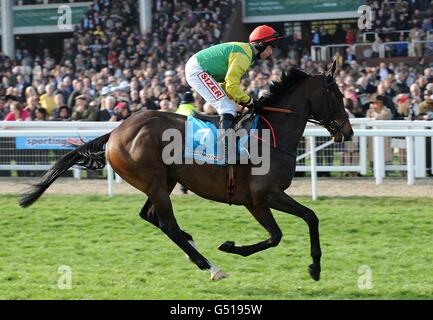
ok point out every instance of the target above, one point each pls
(230, 183)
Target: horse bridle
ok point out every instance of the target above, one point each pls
(331, 123)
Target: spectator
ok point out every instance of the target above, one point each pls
(41, 114)
(403, 106)
(350, 37)
(401, 48)
(399, 85)
(77, 91)
(415, 92)
(62, 114)
(375, 47)
(165, 106)
(349, 56)
(415, 35)
(378, 111)
(22, 85)
(123, 111)
(32, 105)
(427, 105)
(108, 113)
(30, 92)
(186, 106)
(59, 101)
(17, 113)
(383, 71)
(381, 92)
(47, 100)
(83, 111)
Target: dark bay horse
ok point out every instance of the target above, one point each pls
(134, 152)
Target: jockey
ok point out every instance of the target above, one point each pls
(216, 72)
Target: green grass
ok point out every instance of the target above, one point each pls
(113, 254)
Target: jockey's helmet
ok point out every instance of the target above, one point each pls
(264, 36)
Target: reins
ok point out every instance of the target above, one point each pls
(290, 111)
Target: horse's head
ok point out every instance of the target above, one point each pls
(326, 103)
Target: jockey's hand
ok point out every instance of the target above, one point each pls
(255, 104)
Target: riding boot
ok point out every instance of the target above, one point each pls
(226, 122)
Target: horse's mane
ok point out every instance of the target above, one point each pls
(288, 81)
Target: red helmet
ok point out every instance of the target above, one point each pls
(264, 34)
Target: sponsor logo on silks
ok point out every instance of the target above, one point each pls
(211, 85)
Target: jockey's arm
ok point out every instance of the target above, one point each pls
(238, 65)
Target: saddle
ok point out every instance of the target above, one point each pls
(242, 120)
(206, 117)
(202, 138)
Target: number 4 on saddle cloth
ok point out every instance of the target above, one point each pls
(204, 145)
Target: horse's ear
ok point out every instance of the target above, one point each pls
(331, 69)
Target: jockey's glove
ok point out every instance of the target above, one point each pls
(255, 104)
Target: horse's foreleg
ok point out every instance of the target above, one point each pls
(264, 216)
(282, 202)
(168, 224)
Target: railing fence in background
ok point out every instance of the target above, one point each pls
(380, 146)
(382, 50)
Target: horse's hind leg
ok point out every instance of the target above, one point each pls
(264, 216)
(149, 213)
(168, 224)
(282, 202)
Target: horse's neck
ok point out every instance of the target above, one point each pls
(288, 130)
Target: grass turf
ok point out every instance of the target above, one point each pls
(113, 254)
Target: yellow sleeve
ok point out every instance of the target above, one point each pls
(238, 65)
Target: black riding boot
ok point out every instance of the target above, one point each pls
(226, 122)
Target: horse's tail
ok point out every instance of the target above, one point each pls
(90, 155)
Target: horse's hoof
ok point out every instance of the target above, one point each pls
(314, 272)
(227, 246)
(219, 276)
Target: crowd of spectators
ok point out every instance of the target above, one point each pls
(400, 15)
(400, 22)
(109, 67)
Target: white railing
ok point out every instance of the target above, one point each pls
(373, 33)
(412, 135)
(327, 52)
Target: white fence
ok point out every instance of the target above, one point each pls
(414, 48)
(378, 147)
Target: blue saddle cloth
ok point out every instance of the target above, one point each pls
(203, 144)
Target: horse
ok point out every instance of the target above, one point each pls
(134, 152)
